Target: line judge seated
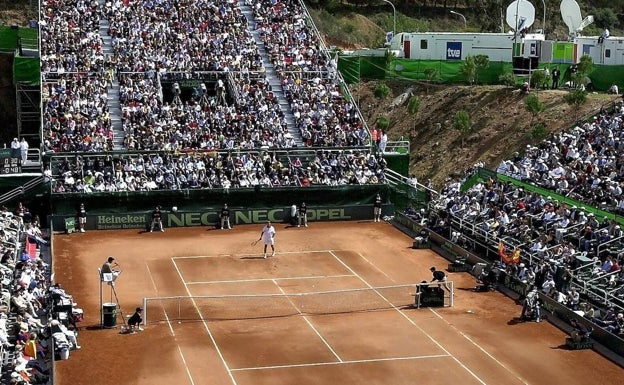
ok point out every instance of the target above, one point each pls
(108, 273)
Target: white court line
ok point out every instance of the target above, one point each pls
(149, 272)
(269, 279)
(341, 362)
(188, 292)
(412, 322)
(250, 254)
(310, 324)
(477, 345)
(188, 371)
(375, 266)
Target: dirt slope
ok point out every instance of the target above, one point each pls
(501, 123)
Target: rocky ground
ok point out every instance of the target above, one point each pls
(501, 123)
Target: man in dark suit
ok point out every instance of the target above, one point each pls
(134, 322)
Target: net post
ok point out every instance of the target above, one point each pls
(144, 311)
(452, 294)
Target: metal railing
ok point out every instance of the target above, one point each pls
(21, 190)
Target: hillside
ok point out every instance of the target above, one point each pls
(500, 119)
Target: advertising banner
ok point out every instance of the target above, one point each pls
(211, 217)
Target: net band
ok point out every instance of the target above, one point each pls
(250, 306)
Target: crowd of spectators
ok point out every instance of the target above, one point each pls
(29, 319)
(153, 41)
(166, 171)
(308, 76)
(586, 163)
(561, 247)
(74, 72)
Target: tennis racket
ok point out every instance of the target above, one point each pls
(253, 243)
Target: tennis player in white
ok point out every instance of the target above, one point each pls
(268, 233)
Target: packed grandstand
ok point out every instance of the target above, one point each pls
(214, 94)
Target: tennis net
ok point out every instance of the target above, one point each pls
(235, 307)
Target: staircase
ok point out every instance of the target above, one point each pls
(114, 105)
(271, 75)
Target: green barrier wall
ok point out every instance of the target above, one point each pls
(398, 163)
(210, 217)
(27, 69)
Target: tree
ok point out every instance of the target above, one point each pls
(481, 62)
(461, 122)
(585, 65)
(413, 105)
(430, 75)
(534, 106)
(390, 56)
(469, 69)
(538, 79)
(508, 79)
(604, 17)
(575, 98)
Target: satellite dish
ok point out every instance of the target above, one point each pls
(520, 15)
(571, 14)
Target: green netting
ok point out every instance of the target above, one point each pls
(26, 69)
(448, 71)
(8, 39)
(602, 76)
(353, 68)
(28, 33)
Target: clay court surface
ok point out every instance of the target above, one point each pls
(246, 342)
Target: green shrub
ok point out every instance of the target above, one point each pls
(382, 123)
(381, 91)
(539, 131)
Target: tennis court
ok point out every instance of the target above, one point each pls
(332, 306)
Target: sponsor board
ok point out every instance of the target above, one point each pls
(432, 297)
(211, 217)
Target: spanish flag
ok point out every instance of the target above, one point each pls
(508, 258)
(501, 251)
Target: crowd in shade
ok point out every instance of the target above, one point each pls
(32, 310)
(585, 163)
(165, 171)
(154, 45)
